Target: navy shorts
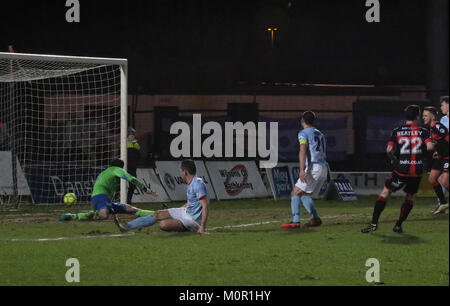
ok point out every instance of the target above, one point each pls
(440, 164)
(100, 201)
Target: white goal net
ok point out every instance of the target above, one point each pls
(62, 121)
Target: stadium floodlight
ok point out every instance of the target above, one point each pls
(63, 119)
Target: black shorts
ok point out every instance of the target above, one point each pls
(396, 182)
(440, 164)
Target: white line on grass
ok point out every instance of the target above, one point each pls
(124, 235)
(132, 233)
(68, 238)
(240, 225)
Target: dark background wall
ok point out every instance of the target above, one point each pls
(214, 46)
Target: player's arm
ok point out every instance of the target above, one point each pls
(202, 196)
(302, 158)
(390, 147)
(132, 180)
(204, 203)
(430, 144)
(390, 152)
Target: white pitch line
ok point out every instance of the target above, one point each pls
(241, 225)
(125, 235)
(132, 233)
(68, 238)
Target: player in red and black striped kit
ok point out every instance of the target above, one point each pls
(439, 167)
(407, 149)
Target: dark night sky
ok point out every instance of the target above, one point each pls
(176, 46)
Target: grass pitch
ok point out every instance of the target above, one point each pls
(245, 247)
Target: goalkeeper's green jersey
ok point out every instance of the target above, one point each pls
(107, 182)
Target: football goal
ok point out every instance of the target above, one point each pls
(63, 119)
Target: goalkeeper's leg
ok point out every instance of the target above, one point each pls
(87, 216)
(104, 207)
(120, 208)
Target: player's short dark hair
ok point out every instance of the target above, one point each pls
(117, 163)
(412, 112)
(444, 99)
(432, 110)
(189, 166)
(309, 117)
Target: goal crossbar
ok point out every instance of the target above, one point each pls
(65, 59)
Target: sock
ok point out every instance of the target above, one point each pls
(404, 211)
(309, 206)
(118, 208)
(444, 190)
(143, 212)
(440, 194)
(92, 215)
(80, 216)
(142, 222)
(295, 206)
(380, 204)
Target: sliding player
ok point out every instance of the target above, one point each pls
(407, 149)
(190, 217)
(106, 185)
(439, 168)
(313, 171)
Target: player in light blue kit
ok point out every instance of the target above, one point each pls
(190, 217)
(444, 109)
(313, 171)
(445, 121)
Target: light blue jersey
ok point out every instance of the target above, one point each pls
(316, 145)
(444, 121)
(195, 192)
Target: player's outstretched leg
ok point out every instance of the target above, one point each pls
(142, 222)
(88, 216)
(137, 223)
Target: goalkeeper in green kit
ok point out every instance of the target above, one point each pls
(105, 187)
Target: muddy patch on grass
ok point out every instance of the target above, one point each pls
(28, 218)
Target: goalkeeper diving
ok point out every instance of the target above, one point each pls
(106, 185)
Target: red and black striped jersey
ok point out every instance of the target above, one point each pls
(439, 135)
(409, 142)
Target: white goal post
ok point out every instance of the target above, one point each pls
(63, 119)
